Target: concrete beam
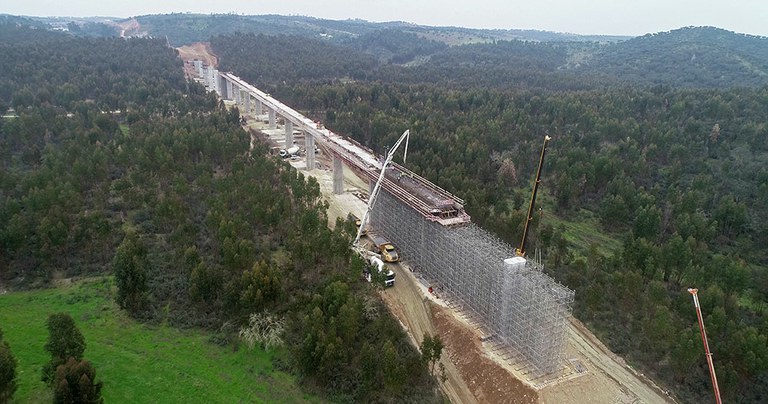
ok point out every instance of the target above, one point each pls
(338, 176)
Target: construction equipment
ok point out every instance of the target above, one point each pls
(385, 248)
(372, 200)
(521, 251)
(712, 374)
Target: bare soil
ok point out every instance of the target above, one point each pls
(197, 51)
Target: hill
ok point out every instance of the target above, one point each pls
(687, 57)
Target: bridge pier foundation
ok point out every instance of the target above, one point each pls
(272, 119)
(309, 145)
(338, 176)
(288, 133)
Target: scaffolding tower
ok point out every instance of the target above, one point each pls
(523, 308)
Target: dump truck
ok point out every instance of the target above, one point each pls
(378, 265)
(385, 248)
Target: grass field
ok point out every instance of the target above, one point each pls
(137, 363)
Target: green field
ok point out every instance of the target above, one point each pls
(136, 362)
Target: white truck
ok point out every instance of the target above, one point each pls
(378, 265)
(289, 152)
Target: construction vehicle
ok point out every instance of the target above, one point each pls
(358, 224)
(385, 248)
(289, 152)
(375, 193)
(378, 265)
(520, 252)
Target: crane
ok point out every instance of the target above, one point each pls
(712, 374)
(520, 252)
(372, 200)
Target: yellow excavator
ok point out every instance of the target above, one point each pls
(521, 251)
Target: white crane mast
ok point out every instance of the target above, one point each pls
(372, 200)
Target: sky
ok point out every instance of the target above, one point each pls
(603, 17)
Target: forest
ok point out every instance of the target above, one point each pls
(673, 173)
(114, 165)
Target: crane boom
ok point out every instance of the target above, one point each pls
(711, 364)
(521, 251)
(372, 200)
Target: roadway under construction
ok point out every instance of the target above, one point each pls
(509, 297)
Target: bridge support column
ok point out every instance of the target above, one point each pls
(230, 90)
(247, 102)
(259, 109)
(272, 119)
(238, 96)
(222, 86)
(338, 176)
(309, 145)
(288, 133)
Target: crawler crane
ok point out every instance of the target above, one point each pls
(521, 251)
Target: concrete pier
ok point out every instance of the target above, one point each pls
(338, 176)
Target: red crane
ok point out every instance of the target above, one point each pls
(712, 374)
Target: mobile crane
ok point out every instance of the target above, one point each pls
(386, 249)
(520, 252)
(372, 200)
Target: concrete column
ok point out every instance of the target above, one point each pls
(216, 81)
(230, 90)
(247, 102)
(238, 96)
(259, 109)
(338, 176)
(288, 133)
(222, 86)
(272, 119)
(309, 145)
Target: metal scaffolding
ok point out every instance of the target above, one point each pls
(523, 308)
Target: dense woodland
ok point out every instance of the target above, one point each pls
(675, 175)
(113, 164)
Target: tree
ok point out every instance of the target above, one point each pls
(7, 371)
(64, 341)
(75, 382)
(431, 351)
(130, 265)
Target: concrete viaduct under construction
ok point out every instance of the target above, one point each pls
(517, 306)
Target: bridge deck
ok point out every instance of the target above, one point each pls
(433, 202)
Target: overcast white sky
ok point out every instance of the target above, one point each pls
(609, 17)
